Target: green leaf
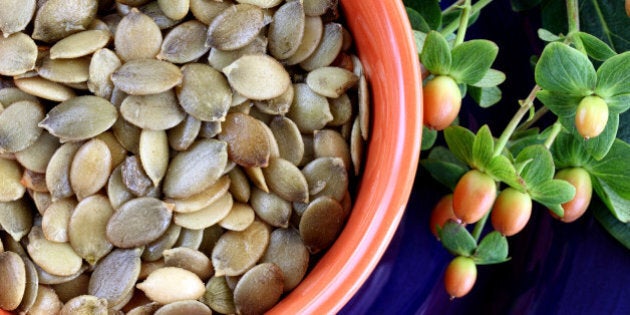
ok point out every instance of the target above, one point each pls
(417, 20)
(428, 138)
(500, 168)
(444, 167)
(436, 54)
(419, 38)
(547, 35)
(618, 103)
(595, 47)
(523, 5)
(566, 70)
(552, 194)
(523, 139)
(619, 230)
(460, 142)
(599, 146)
(483, 148)
(569, 151)
(429, 9)
(492, 78)
(540, 167)
(561, 104)
(618, 205)
(456, 239)
(492, 249)
(606, 20)
(472, 59)
(613, 76)
(612, 179)
(486, 96)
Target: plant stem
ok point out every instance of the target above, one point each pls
(476, 233)
(511, 127)
(463, 23)
(451, 27)
(537, 116)
(573, 17)
(453, 6)
(555, 130)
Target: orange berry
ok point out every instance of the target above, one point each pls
(442, 212)
(591, 116)
(442, 100)
(460, 276)
(511, 211)
(473, 196)
(581, 180)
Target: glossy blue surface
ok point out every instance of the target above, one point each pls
(555, 268)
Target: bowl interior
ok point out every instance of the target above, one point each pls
(385, 45)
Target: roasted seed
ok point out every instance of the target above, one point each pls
(220, 59)
(330, 143)
(313, 30)
(286, 30)
(172, 284)
(258, 77)
(58, 170)
(117, 191)
(205, 11)
(86, 229)
(240, 217)
(259, 289)
(46, 302)
(154, 250)
(320, 223)
(45, 89)
(235, 27)
(56, 219)
(15, 15)
(203, 199)
(174, 9)
(191, 260)
(239, 185)
(289, 139)
(103, 63)
(310, 111)
(152, 9)
(286, 180)
(287, 251)
(356, 146)
(257, 177)
(328, 48)
(182, 136)
(190, 238)
(271, 208)
(118, 152)
(236, 252)
(326, 176)
(35, 158)
(331, 81)
(364, 107)
(138, 222)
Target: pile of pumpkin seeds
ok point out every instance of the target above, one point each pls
(172, 156)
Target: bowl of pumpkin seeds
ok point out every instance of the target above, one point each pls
(201, 156)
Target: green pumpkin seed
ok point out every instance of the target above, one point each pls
(330, 143)
(174, 9)
(45, 89)
(12, 279)
(46, 301)
(154, 250)
(204, 93)
(190, 238)
(205, 11)
(57, 19)
(184, 308)
(235, 27)
(80, 118)
(137, 37)
(58, 171)
(248, 142)
(10, 187)
(55, 258)
(146, 76)
(331, 81)
(155, 112)
(287, 251)
(154, 154)
(326, 176)
(104, 62)
(35, 158)
(219, 296)
(203, 199)
(138, 222)
(56, 219)
(185, 43)
(16, 218)
(50, 279)
(85, 304)
(86, 229)
(321, 223)
(258, 77)
(240, 217)
(259, 289)
(318, 7)
(313, 30)
(310, 111)
(90, 168)
(10, 95)
(182, 136)
(271, 208)
(239, 185)
(117, 191)
(113, 279)
(190, 172)
(32, 286)
(18, 126)
(286, 180)
(287, 135)
(341, 109)
(207, 216)
(328, 48)
(80, 44)
(134, 177)
(286, 30)
(73, 288)
(236, 252)
(15, 15)
(42, 200)
(171, 284)
(191, 260)
(18, 53)
(127, 134)
(220, 59)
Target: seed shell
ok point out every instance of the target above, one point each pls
(138, 222)
(330, 143)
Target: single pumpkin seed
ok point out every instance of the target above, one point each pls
(70, 289)
(279, 105)
(85, 304)
(286, 30)
(56, 219)
(219, 296)
(18, 126)
(364, 107)
(309, 153)
(240, 217)
(248, 143)
(155, 112)
(330, 143)
(137, 37)
(32, 285)
(35, 158)
(239, 185)
(203, 199)
(220, 59)
(286, 180)
(210, 129)
(183, 308)
(152, 9)
(118, 152)
(326, 176)
(138, 222)
(331, 81)
(257, 177)
(12, 280)
(98, 24)
(55, 258)
(46, 302)
(190, 172)
(204, 93)
(41, 201)
(236, 252)
(172, 284)
(154, 154)
(321, 223)
(191, 260)
(356, 146)
(103, 63)
(342, 109)
(206, 216)
(50, 279)
(235, 27)
(154, 250)
(190, 238)
(174, 9)
(146, 76)
(113, 279)
(328, 48)
(313, 30)
(287, 135)
(127, 134)
(205, 11)
(10, 95)
(58, 170)
(90, 168)
(15, 15)
(259, 289)
(184, 43)
(86, 229)
(10, 187)
(80, 44)
(271, 208)
(56, 19)
(45, 89)
(258, 77)
(182, 136)
(18, 53)
(310, 111)
(80, 118)
(16, 218)
(117, 191)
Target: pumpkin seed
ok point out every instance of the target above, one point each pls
(255, 174)
(330, 143)
(235, 27)
(12, 280)
(75, 287)
(30, 291)
(113, 279)
(204, 93)
(86, 229)
(45, 89)
(364, 107)
(210, 129)
(10, 187)
(80, 118)
(137, 37)
(152, 9)
(34, 182)
(50, 279)
(320, 223)
(118, 152)
(190, 238)
(56, 19)
(203, 199)
(56, 219)
(35, 158)
(331, 81)
(262, 3)
(10, 95)
(238, 251)
(240, 217)
(155, 112)
(154, 250)
(184, 308)
(97, 24)
(259, 289)
(127, 134)
(286, 180)
(90, 168)
(42, 200)
(209, 238)
(174, 9)
(15, 15)
(279, 105)
(171, 284)
(85, 304)
(58, 170)
(46, 302)
(207, 216)
(138, 222)
(220, 59)
(271, 208)
(318, 7)
(18, 126)
(239, 185)
(310, 111)
(287, 135)
(145, 309)
(258, 77)
(16, 218)
(146, 76)
(191, 260)
(182, 136)
(313, 30)
(154, 154)
(219, 296)
(117, 191)
(104, 62)
(341, 109)
(328, 48)
(205, 11)
(248, 142)
(146, 268)
(55, 258)
(184, 43)
(286, 30)
(326, 176)
(18, 53)
(80, 44)
(190, 172)
(356, 146)
(287, 251)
